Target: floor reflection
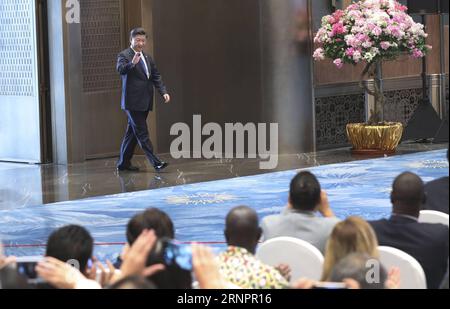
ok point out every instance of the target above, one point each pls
(24, 184)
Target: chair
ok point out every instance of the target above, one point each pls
(304, 259)
(433, 216)
(412, 275)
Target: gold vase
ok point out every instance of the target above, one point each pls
(374, 139)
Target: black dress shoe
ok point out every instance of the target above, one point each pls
(161, 166)
(130, 168)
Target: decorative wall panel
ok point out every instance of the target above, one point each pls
(16, 48)
(100, 43)
(333, 114)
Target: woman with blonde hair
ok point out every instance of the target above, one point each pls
(353, 235)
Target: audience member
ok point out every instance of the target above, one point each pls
(71, 243)
(427, 243)
(358, 270)
(238, 264)
(355, 271)
(353, 235)
(437, 194)
(300, 219)
(173, 276)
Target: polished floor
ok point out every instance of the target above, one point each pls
(26, 185)
(355, 187)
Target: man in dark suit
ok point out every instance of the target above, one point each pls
(426, 242)
(437, 194)
(139, 77)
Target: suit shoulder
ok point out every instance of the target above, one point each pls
(124, 52)
(436, 228)
(440, 182)
(376, 223)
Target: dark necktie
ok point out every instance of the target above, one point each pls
(144, 68)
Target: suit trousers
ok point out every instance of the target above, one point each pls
(136, 133)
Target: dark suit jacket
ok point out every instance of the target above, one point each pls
(137, 89)
(426, 242)
(437, 195)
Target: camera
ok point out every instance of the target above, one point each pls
(169, 253)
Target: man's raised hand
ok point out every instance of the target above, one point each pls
(136, 58)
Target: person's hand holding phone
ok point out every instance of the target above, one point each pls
(134, 262)
(7, 260)
(98, 272)
(59, 274)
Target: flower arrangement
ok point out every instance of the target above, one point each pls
(370, 31)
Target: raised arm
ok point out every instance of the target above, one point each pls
(124, 65)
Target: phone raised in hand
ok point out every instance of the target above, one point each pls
(26, 266)
(169, 253)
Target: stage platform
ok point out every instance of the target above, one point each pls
(197, 194)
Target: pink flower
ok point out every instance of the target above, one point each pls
(353, 7)
(349, 52)
(385, 45)
(339, 63)
(377, 31)
(417, 53)
(369, 29)
(400, 7)
(355, 14)
(395, 31)
(399, 18)
(319, 54)
(337, 29)
(320, 34)
(362, 37)
(338, 15)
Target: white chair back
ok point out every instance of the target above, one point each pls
(433, 216)
(412, 275)
(304, 259)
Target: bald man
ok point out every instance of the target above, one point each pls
(238, 264)
(426, 242)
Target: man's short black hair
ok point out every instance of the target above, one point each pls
(151, 219)
(71, 242)
(241, 226)
(408, 192)
(304, 193)
(137, 31)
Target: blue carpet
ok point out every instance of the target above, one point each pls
(198, 210)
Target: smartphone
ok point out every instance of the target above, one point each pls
(330, 285)
(178, 254)
(26, 266)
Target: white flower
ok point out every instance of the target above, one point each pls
(369, 57)
(367, 44)
(374, 51)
